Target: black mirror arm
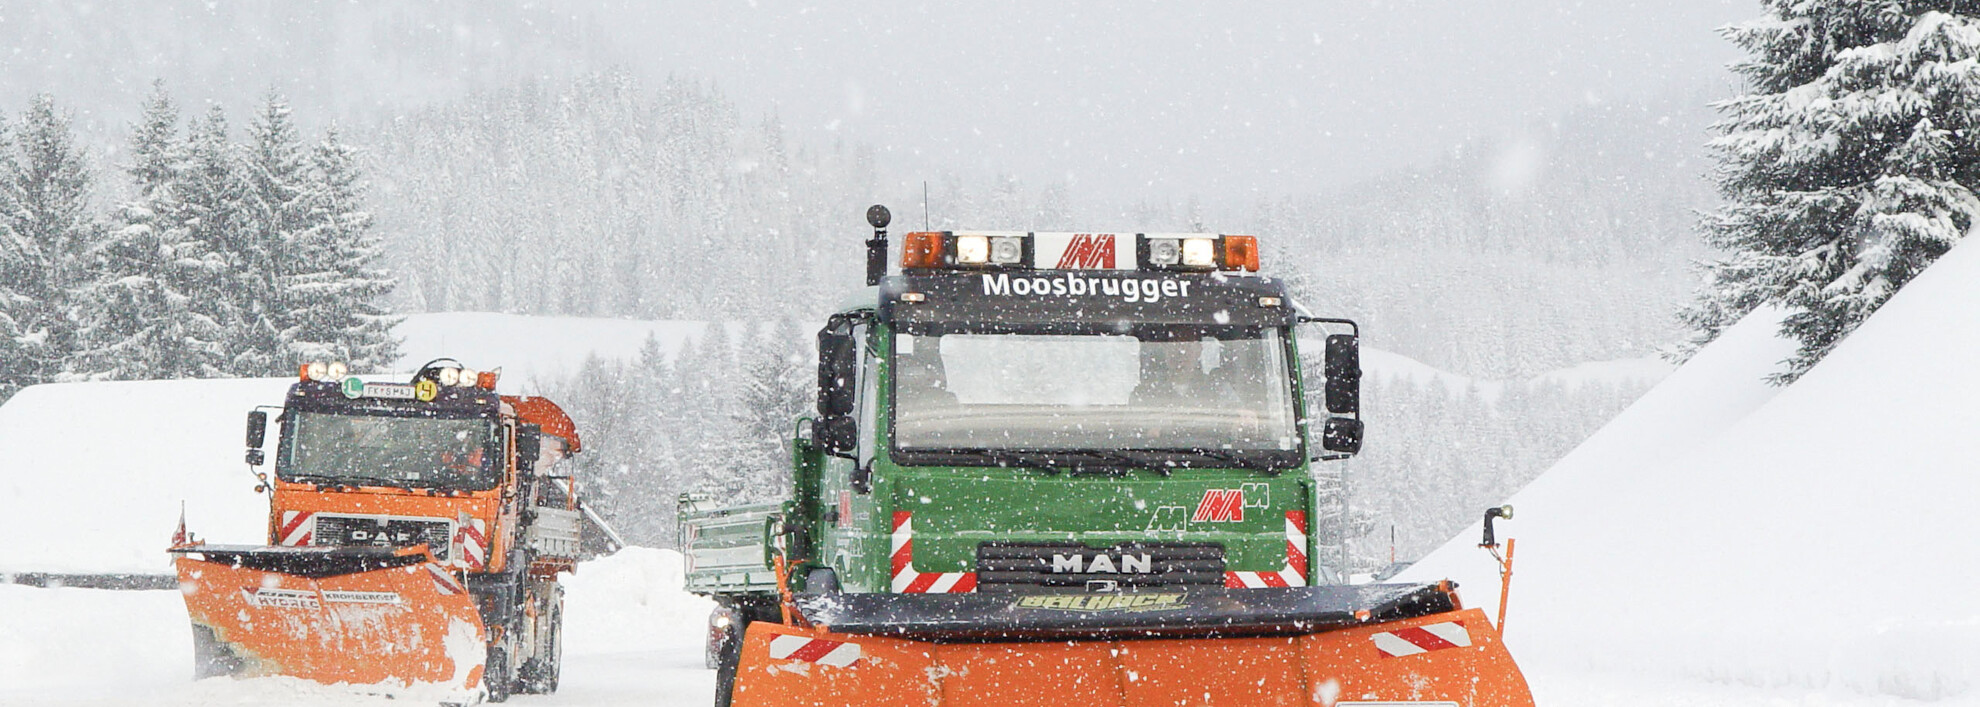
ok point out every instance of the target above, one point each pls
(1353, 328)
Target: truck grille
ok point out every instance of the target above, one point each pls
(1016, 566)
(383, 532)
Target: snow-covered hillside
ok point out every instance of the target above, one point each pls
(1814, 538)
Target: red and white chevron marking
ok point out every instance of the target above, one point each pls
(906, 580)
(1421, 639)
(814, 650)
(1294, 575)
(472, 539)
(443, 579)
(296, 529)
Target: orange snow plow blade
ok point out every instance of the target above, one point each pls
(363, 616)
(1447, 658)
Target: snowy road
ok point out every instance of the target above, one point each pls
(634, 639)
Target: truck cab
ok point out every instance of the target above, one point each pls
(1029, 412)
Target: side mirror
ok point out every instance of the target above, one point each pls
(529, 448)
(257, 428)
(838, 436)
(838, 361)
(1341, 434)
(807, 432)
(1343, 367)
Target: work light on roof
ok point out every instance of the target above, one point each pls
(1006, 250)
(449, 376)
(316, 371)
(1164, 252)
(972, 250)
(1199, 252)
(467, 377)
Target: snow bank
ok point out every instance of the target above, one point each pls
(1815, 537)
(631, 601)
(95, 472)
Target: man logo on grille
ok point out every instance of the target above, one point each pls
(1088, 251)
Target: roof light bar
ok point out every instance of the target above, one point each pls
(1184, 252)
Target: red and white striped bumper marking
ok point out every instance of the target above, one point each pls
(1421, 639)
(1294, 574)
(906, 580)
(444, 580)
(296, 529)
(838, 654)
(470, 536)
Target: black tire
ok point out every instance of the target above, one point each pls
(495, 677)
(821, 580)
(540, 673)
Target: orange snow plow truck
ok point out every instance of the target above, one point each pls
(417, 532)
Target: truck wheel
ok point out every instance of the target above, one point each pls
(540, 673)
(822, 580)
(495, 676)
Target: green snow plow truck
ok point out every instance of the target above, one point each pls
(1042, 451)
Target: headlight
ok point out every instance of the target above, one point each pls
(1164, 251)
(972, 250)
(317, 371)
(450, 376)
(338, 370)
(1199, 252)
(1006, 250)
(467, 377)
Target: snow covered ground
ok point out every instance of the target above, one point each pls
(633, 638)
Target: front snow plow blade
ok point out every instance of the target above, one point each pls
(1320, 646)
(357, 615)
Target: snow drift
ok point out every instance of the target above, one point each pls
(1816, 536)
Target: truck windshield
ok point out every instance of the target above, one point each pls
(1210, 396)
(379, 450)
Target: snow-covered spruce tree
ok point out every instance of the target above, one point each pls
(776, 387)
(138, 316)
(274, 174)
(333, 290)
(14, 370)
(1847, 170)
(48, 191)
(213, 215)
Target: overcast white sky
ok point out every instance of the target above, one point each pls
(1123, 100)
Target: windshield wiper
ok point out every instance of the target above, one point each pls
(1019, 460)
(1234, 458)
(1125, 460)
(338, 480)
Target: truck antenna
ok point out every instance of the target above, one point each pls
(876, 247)
(924, 204)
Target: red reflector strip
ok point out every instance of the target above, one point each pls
(1421, 639)
(814, 650)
